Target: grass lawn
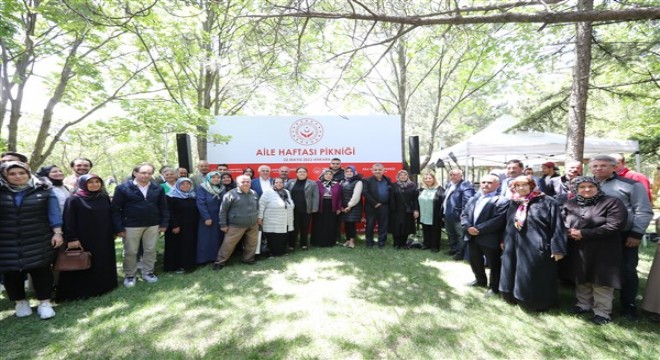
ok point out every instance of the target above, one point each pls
(332, 303)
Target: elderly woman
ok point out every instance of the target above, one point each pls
(351, 203)
(88, 224)
(228, 182)
(534, 239)
(305, 195)
(276, 217)
(30, 227)
(403, 210)
(181, 234)
(56, 177)
(209, 237)
(594, 222)
(430, 199)
(325, 221)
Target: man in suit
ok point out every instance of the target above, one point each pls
(202, 169)
(456, 196)
(483, 219)
(515, 168)
(263, 182)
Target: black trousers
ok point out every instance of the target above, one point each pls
(494, 258)
(42, 280)
(349, 229)
(277, 243)
(301, 220)
(431, 235)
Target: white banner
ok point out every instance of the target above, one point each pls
(307, 139)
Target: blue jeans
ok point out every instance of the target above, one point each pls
(379, 216)
(455, 234)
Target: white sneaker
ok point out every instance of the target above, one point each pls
(23, 309)
(129, 281)
(150, 278)
(45, 311)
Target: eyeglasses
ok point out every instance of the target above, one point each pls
(487, 182)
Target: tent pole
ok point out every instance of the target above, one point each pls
(638, 162)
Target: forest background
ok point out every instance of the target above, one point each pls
(114, 81)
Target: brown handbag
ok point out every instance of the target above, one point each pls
(73, 259)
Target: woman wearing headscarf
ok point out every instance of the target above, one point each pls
(56, 177)
(403, 210)
(181, 235)
(594, 222)
(351, 202)
(228, 182)
(325, 221)
(30, 228)
(305, 194)
(209, 237)
(88, 224)
(534, 240)
(430, 199)
(276, 217)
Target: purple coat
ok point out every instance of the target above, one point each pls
(335, 190)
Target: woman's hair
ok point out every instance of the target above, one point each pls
(301, 167)
(524, 179)
(432, 174)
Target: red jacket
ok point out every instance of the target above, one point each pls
(627, 173)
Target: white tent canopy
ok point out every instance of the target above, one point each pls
(493, 147)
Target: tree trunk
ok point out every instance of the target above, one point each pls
(579, 92)
(403, 101)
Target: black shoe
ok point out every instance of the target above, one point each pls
(655, 318)
(435, 250)
(458, 257)
(576, 310)
(217, 266)
(249, 262)
(599, 320)
(630, 314)
(424, 247)
(451, 253)
(475, 283)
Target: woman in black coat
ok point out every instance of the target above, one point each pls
(88, 224)
(534, 239)
(351, 203)
(181, 235)
(30, 227)
(594, 222)
(430, 199)
(403, 210)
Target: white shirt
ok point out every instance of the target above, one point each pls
(143, 189)
(265, 184)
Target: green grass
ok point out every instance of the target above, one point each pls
(330, 303)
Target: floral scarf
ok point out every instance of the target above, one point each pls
(523, 205)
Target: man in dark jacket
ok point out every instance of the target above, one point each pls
(140, 213)
(377, 192)
(483, 219)
(238, 217)
(456, 196)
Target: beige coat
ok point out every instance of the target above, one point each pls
(276, 214)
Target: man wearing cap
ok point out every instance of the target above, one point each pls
(550, 180)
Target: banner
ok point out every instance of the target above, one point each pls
(310, 141)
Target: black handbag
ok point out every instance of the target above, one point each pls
(73, 259)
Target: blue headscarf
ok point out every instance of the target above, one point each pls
(214, 190)
(176, 192)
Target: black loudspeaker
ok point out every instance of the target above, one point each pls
(413, 153)
(183, 151)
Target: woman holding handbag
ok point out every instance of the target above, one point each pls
(88, 225)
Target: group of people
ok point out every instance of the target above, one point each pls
(528, 231)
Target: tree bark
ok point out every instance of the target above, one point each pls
(579, 92)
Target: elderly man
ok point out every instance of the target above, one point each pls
(238, 217)
(377, 193)
(483, 219)
(456, 196)
(572, 169)
(80, 167)
(202, 170)
(623, 171)
(515, 168)
(140, 213)
(263, 182)
(283, 173)
(634, 196)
